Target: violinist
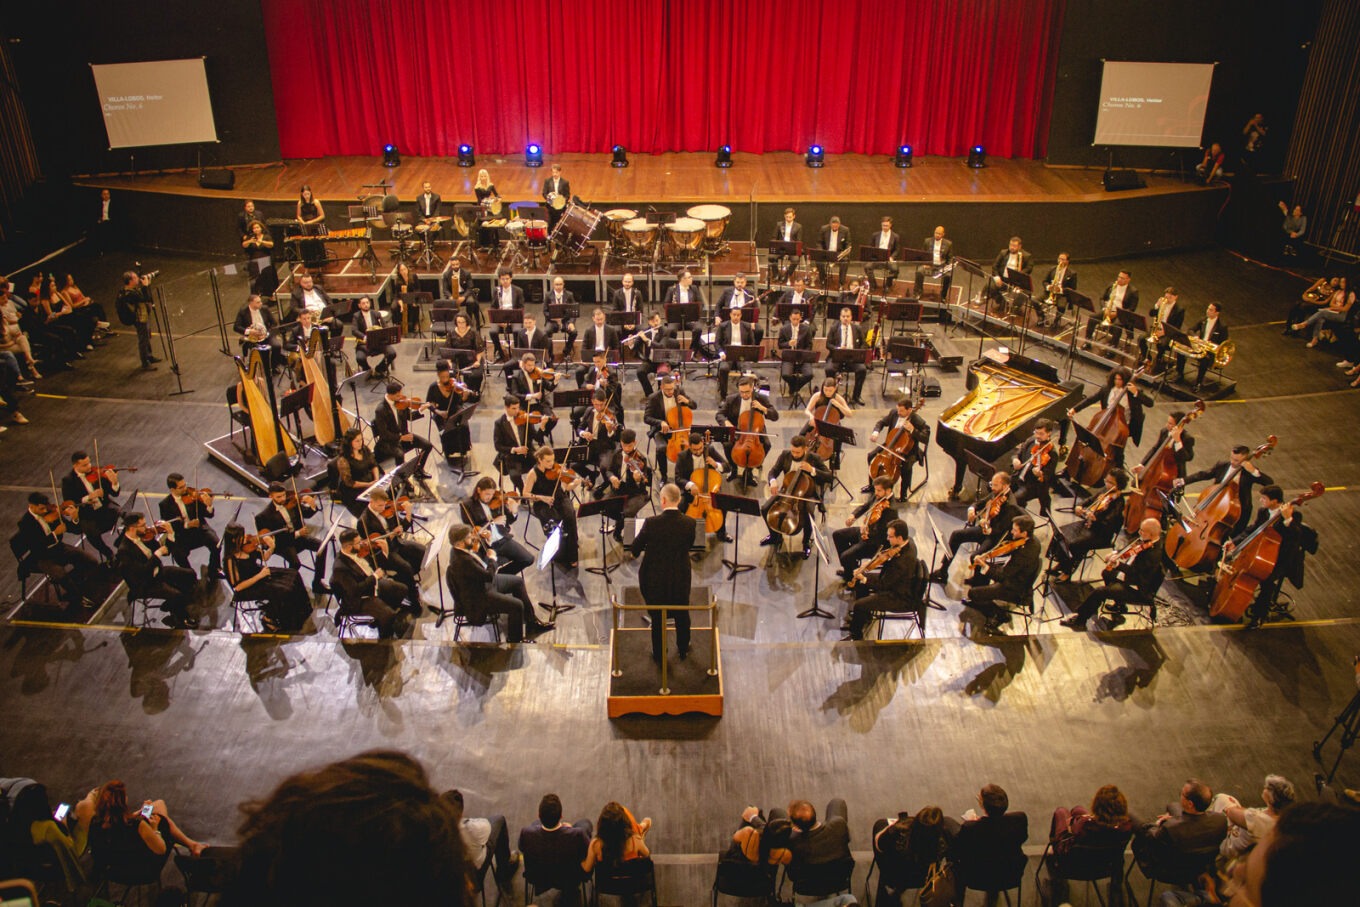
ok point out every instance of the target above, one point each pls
(356, 468)
(1295, 538)
(387, 523)
(601, 376)
(560, 296)
(655, 336)
(731, 333)
(1131, 405)
(795, 335)
(1245, 474)
(1035, 467)
(856, 543)
(828, 395)
(733, 408)
(93, 489)
(626, 473)
(187, 511)
(1182, 444)
(903, 415)
(1133, 574)
(550, 487)
(1011, 582)
(284, 604)
(481, 592)
(661, 413)
(361, 586)
(139, 564)
(490, 509)
(257, 325)
(42, 533)
(598, 338)
(469, 351)
(392, 432)
(989, 522)
(534, 386)
(599, 428)
(893, 588)
(796, 458)
(846, 335)
(366, 319)
(507, 297)
(515, 434)
(446, 397)
(694, 458)
(1098, 521)
(286, 520)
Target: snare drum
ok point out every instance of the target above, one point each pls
(401, 229)
(427, 228)
(515, 228)
(687, 233)
(715, 218)
(536, 232)
(575, 227)
(640, 234)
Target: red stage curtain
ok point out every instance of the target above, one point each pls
(662, 75)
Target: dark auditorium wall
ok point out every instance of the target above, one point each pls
(1257, 43)
(53, 44)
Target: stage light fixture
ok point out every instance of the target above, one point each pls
(903, 157)
(465, 156)
(620, 157)
(724, 157)
(816, 156)
(391, 156)
(533, 155)
(977, 157)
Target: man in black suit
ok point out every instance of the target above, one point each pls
(797, 294)
(894, 589)
(1210, 329)
(787, 230)
(661, 411)
(846, 335)
(1035, 467)
(1182, 445)
(733, 332)
(737, 405)
(256, 324)
(836, 238)
(505, 296)
(1247, 476)
(1167, 310)
(361, 586)
(534, 393)
(990, 846)
(478, 511)
(737, 296)
(1119, 390)
(554, 188)
(514, 443)
(1121, 294)
(941, 251)
(392, 432)
(139, 564)
(1287, 520)
(366, 319)
(796, 459)
(189, 525)
(625, 473)
(480, 592)
(628, 298)
(94, 496)
(903, 415)
(1014, 259)
(989, 522)
(599, 337)
(560, 295)
(404, 555)
(307, 295)
(655, 336)
(1060, 279)
(1013, 581)
(245, 218)
(663, 543)
(530, 336)
(795, 335)
(1186, 828)
(1132, 575)
(885, 238)
(466, 296)
(291, 533)
(427, 202)
(70, 568)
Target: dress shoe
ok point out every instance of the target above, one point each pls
(148, 367)
(939, 576)
(807, 551)
(181, 622)
(684, 654)
(723, 536)
(153, 359)
(1073, 623)
(770, 539)
(1254, 624)
(851, 637)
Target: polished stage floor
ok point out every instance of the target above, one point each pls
(208, 718)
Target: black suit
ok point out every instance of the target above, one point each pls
(505, 436)
(1137, 581)
(565, 325)
(1218, 334)
(186, 539)
(1099, 398)
(590, 342)
(287, 542)
(1012, 582)
(1059, 288)
(989, 851)
(777, 263)
(654, 415)
(1000, 529)
(920, 430)
(796, 375)
(893, 590)
(1246, 488)
(929, 267)
(427, 205)
(1073, 540)
(513, 556)
(147, 577)
(621, 302)
(362, 323)
(727, 335)
(556, 186)
(1154, 347)
(389, 424)
(97, 516)
(1129, 304)
(243, 322)
(405, 555)
(1288, 560)
(894, 243)
(843, 242)
(785, 463)
(479, 592)
(501, 333)
(858, 367)
(664, 575)
(357, 592)
(46, 551)
(295, 304)
(851, 547)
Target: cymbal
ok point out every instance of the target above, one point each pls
(439, 219)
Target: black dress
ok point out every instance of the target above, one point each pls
(466, 347)
(560, 512)
(456, 439)
(283, 596)
(363, 467)
(264, 280)
(313, 252)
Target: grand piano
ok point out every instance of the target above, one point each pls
(1006, 395)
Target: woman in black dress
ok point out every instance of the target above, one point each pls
(286, 606)
(312, 216)
(469, 352)
(260, 259)
(356, 469)
(447, 396)
(405, 281)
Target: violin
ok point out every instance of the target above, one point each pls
(542, 374)
(149, 532)
(109, 472)
(403, 403)
(983, 518)
(499, 499)
(1001, 550)
(390, 508)
(530, 419)
(251, 542)
(451, 384)
(874, 515)
(293, 499)
(194, 495)
(559, 473)
(878, 560)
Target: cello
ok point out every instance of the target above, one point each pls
(893, 452)
(1242, 570)
(748, 452)
(1158, 479)
(679, 419)
(824, 447)
(798, 491)
(1197, 539)
(1087, 466)
(707, 480)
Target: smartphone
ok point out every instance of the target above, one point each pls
(61, 812)
(146, 814)
(18, 893)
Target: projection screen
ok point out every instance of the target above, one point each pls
(1159, 105)
(163, 102)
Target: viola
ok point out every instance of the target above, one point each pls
(94, 475)
(404, 403)
(873, 516)
(149, 532)
(251, 542)
(1005, 548)
(530, 419)
(498, 499)
(559, 473)
(748, 452)
(194, 495)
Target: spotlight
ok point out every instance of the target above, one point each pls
(533, 155)
(903, 157)
(724, 157)
(816, 156)
(465, 156)
(620, 157)
(391, 156)
(977, 156)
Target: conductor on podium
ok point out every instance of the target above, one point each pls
(664, 577)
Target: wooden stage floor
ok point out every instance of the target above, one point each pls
(209, 717)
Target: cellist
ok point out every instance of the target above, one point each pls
(1246, 475)
(904, 415)
(663, 415)
(1130, 403)
(827, 397)
(1289, 561)
(745, 400)
(694, 458)
(796, 458)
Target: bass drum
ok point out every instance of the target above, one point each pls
(686, 234)
(715, 218)
(640, 235)
(575, 227)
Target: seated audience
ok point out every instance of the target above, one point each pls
(1105, 824)
(553, 852)
(32, 829)
(1247, 826)
(760, 841)
(618, 838)
(487, 841)
(1184, 829)
(137, 841)
(907, 847)
(988, 847)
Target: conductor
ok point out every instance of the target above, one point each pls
(664, 577)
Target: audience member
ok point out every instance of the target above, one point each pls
(1186, 828)
(907, 847)
(31, 824)
(761, 841)
(817, 842)
(1247, 826)
(487, 841)
(1105, 824)
(618, 838)
(553, 853)
(137, 841)
(989, 846)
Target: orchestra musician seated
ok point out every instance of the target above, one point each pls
(495, 511)
(363, 586)
(599, 428)
(732, 411)
(795, 335)
(447, 398)
(355, 470)
(285, 519)
(138, 562)
(627, 298)
(820, 406)
(698, 457)
(534, 387)
(1012, 582)
(895, 588)
(655, 336)
(858, 543)
(1133, 574)
(41, 538)
(796, 459)
(533, 338)
(480, 592)
(1035, 467)
(388, 524)
(846, 335)
(732, 333)
(988, 524)
(598, 338)
(1295, 540)
(663, 411)
(1099, 519)
(392, 432)
(514, 434)
(1127, 396)
(367, 319)
(737, 296)
(505, 296)
(307, 295)
(560, 296)
(549, 489)
(625, 473)
(284, 606)
(257, 326)
(905, 416)
(188, 510)
(602, 377)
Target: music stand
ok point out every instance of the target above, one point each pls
(782, 311)
(833, 311)
(682, 313)
(546, 561)
(573, 398)
(629, 320)
(798, 357)
(561, 311)
(737, 504)
(874, 253)
(823, 554)
(673, 357)
(611, 507)
(1131, 321)
(380, 339)
(846, 356)
(293, 403)
(981, 468)
(842, 435)
(737, 354)
(461, 417)
(1019, 280)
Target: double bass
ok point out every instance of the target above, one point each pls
(707, 480)
(1197, 539)
(1242, 570)
(1087, 466)
(1158, 478)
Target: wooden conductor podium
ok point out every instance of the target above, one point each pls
(640, 686)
